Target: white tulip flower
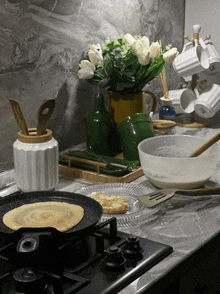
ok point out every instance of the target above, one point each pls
(155, 50)
(86, 63)
(128, 38)
(145, 41)
(144, 57)
(137, 47)
(141, 49)
(170, 55)
(85, 73)
(86, 70)
(95, 54)
(140, 45)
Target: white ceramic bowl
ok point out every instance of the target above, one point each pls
(178, 170)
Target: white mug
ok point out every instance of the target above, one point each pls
(208, 100)
(212, 52)
(183, 100)
(192, 60)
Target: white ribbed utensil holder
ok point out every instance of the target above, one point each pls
(36, 161)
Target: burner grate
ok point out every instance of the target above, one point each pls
(66, 283)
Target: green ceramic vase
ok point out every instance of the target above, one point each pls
(100, 129)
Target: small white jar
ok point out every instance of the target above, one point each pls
(36, 161)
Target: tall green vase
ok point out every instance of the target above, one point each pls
(100, 129)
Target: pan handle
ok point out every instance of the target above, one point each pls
(27, 245)
(31, 239)
(30, 242)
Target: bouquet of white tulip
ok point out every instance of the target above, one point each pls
(126, 64)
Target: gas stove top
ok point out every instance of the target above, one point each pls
(102, 262)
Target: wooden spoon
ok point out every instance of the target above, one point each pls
(206, 145)
(19, 116)
(44, 113)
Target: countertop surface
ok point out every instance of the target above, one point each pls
(191, 225)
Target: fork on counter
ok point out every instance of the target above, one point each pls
(156, 197)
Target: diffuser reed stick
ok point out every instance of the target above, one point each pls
(163, 81)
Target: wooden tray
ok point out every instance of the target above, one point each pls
(97, 176)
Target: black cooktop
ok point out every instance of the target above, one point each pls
(102, 262)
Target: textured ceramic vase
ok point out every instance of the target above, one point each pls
(100, 129)
(36, 161)
(132, 130)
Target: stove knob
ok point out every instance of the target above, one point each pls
(132, 246)
(114, 258)
(25, 280)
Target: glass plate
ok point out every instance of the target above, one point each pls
(137, 212)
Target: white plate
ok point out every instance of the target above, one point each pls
(137, 212)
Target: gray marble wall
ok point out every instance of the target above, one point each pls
(42, 43)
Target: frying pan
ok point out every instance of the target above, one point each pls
(92, 210)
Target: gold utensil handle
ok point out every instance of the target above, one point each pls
(201, 191)
(206, 145)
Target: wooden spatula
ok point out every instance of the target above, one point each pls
(19, 116)
(156, 197)
(44, 114)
